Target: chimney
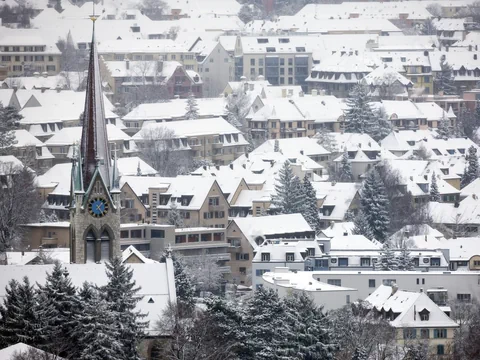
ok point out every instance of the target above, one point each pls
(301, 94)
(245, 87)
(290, 92)
(36, 74)
(470, 47)
(45, 74)
(160, 66)
(284, 93)
(127, 64)
(394, 288)
(314, 92)
(446, 48)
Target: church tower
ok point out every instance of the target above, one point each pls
(95, 196)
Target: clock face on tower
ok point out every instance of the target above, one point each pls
(98, 207)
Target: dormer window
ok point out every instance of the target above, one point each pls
(424, 315)
(265, 256)
(290, 257)
(271, 49)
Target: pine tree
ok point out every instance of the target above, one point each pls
(276, 147)
(387, 260)
(345, 171)
(471, 170)
(444, 130)
(42, 217)
(360, 353)
(121, 296)
(361, 226)
(192, 108)
(59, 306)
(308, 331)
(97, 338)
(288, 197)
(375, 205)
(19, 315)
(9, 118)
(444, 81)
(264, 324)
(359, 117)
(434, 194)
(405, 261)
(326, 139)
(310, 212)
(174, 217)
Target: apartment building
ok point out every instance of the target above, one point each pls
(212, 139)
(32, 151)
(281, 60)
(147, 50)
(24, 52)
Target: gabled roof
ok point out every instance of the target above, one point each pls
(132, 251)
(72, 135)
(353, 242)
(9, 164)
(340, 195)
(278, 251)
(385, 76)
(355, 142)
(293, 147)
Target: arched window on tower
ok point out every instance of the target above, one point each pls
(90, 244)
(105, 246)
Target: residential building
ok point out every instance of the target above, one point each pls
(415, 318)
(32, 151)
(48, 235)
(150, 240)
(450, 31)
(465, 65)
(282, 60)
(386, 83)
(245, 235)
(211, 139)
(133, 81)
(25, 52)
(457, 219)
(9, 167)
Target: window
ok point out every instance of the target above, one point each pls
(440, 350)
(389, 282)
(424, 333)
(17, 58)
(260, 62)
(290, 257)
(371, 283)
(260, 272)
(252, 62)
(136, 234)
(271, 49)
(158, 234)
(365, 261)
(290, 81)
(426, 79)
(241, 257)
(440, 333)
(213, 201)
(343, 262)
(242, 270)
(124, 234)
(435, 262)
(17, 67)
(265, 256)
(409, 333)
(424, 315)
(6, 58)
(464, 297)
(336, 282)
(282, 62)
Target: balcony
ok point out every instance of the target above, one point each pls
(217, 145)
(49, 241)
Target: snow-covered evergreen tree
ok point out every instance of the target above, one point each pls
(121, 295)
(288, 197)
(470, 172)
(444, 130)
(19, 317)
(375, 205)
(359, 117)
(444, 81)
(42, 217)
(251, 143)
(174, 217)
(52, 217)
(97, 338)
(345, 170)
(265, 325)
(361, 226)
(308, 334)
(276, 147)
(9, 118)
(405, 261)
(59, 307)
(192, 108)
(360, 354)
(434, 193)
(387, 260)
(326, 139)
(383, 127)
(310, 209)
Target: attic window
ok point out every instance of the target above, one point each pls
(451, 151)
(461, 151)
(300, 49)
(262, 41)
(403, 59)
(424, 315)
(271, 49)
(437, 152)
(150, 301)
(411, 143)
(284, 40)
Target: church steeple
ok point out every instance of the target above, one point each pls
(94, 144)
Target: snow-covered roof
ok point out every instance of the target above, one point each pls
(26, 257)
(9, 164)
(408, 305)
(128, 166)
(293, 147)
(192, 128)
(156, 294)
(271, 226)
(6, 96)
(337, 195)
(282, 109)
(406, 43)
(355, 142)
(176, 109)
(132, 251)
(28, 37)
(385, 76)
(11, 351)
(247, 197)
(463, 248)
(347, 63)
(72, 135)
(127, 69)
(278, 250)
(338, 229)
(471, 39)
(467, 212)
(469, 60)
(353, 242)
(449, 24)
(157, 46)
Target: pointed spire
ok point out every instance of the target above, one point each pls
(94, 145)
(115, 173)
(139, 170)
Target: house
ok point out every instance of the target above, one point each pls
(280, 118)
(32, 151)
(172, 110)
(415, 317)
(125, 78)
(291, 254)
(25, 52)
(385, 83)
(457, 219)
(465, 65)
(450, 31)
(48, 235)
(149, 240)
(212, 139)
(245, 235)
(62, 144)
(9, 167)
